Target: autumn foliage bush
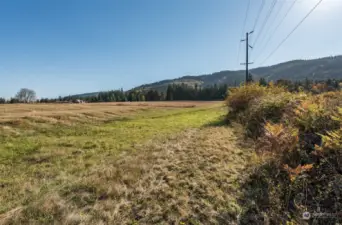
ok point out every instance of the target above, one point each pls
(301, 135)
(239, 98)
(253, 105)
(314, 114)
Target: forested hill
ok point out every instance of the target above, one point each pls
(316, 69)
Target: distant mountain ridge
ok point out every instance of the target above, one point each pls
(316, 69)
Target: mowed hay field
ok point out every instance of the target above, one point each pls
(119, 163)
(100, 110)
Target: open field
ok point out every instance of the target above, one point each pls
(174, 162)
(15, 111)
(156, 163)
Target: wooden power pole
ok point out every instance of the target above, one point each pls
(247, 55)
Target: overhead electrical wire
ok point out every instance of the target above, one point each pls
(243, 28)
(259, 13)
(271, 24)
(276, 29)
(265, 21)
(292, 31)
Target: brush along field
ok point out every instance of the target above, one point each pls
(120, 163)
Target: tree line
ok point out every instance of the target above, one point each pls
(313, 86)
(196, 92)
(175, 92)
(24, 95)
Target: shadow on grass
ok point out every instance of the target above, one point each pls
(219, 122)
(242, 140)
(261, 199)
(270, 197)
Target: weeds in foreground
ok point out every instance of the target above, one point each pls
(301, 136)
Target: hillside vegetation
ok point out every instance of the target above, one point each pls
(298, 139)
(317, 69)
(297, 70)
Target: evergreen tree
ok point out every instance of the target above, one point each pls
(307, 84)
(263, 82)
(13, 100)
(169, 93)
(250, 78)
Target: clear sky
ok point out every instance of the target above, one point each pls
(61, 47)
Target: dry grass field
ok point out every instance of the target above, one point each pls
(121, 163)
(17, 111)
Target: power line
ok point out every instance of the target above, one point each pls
(243, 28)
(294, 29)
(266, 20)
(271, 23)
(276, 29)
(246, 16)
(259, 13)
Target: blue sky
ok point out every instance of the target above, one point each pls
(61, 47)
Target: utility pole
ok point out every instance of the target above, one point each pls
(247, 55)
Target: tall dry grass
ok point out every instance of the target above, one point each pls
(298, 137)
(10, 112)
(191, 178)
